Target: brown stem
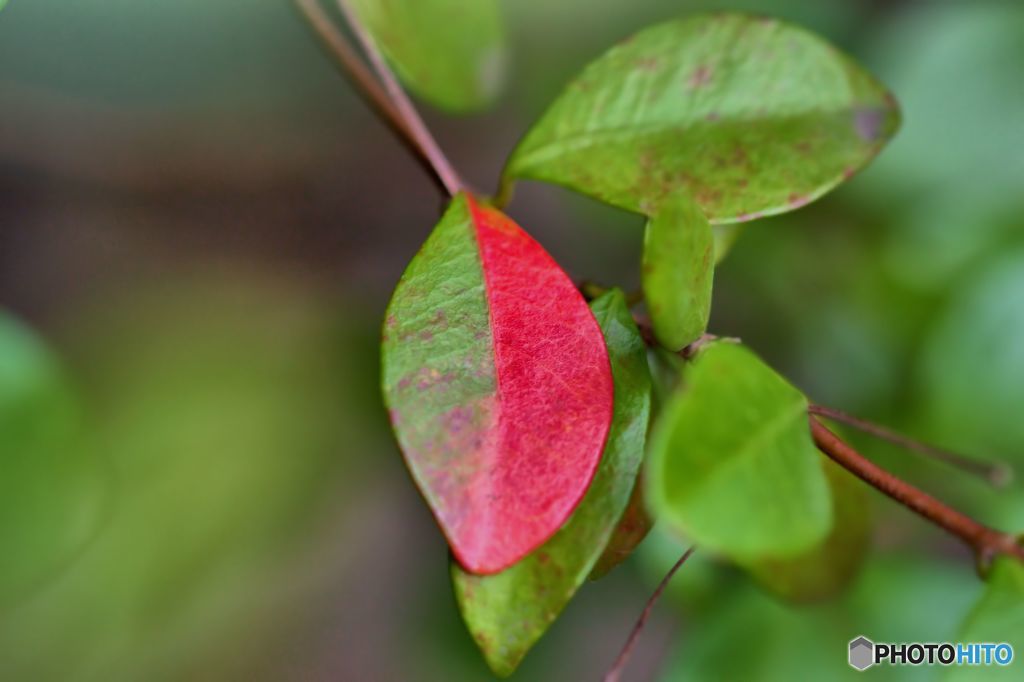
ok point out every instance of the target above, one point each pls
(614, 674)
(986, 542)
(998, 474)
(365, 82)
(424, 140)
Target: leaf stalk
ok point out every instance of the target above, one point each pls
(614, 674)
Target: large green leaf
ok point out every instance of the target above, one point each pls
(450, 52)
(829, 567)
(732, 463)
(678, 271)
(749, 116)
(998, 617)
(509, 611)
(50, 493)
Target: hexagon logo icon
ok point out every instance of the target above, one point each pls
(862, 653)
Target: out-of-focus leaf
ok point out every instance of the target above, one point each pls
(732, 465)
(998, 617)
(216, 403)
(633, 527)
(748, 116)
(895, 600)
(678, 272)
(450, 52)
(828, 568)
(973, 364)
(979, 46)
(50, 493)
(498, 384)
(956, 200)
(508, 612)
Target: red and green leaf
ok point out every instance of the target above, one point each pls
(498, 383)
(508, 612)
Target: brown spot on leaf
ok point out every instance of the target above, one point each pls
(708, 196)
(740, 157)
(700, 77)
(868, 123)
(797, 200)
(648, 64)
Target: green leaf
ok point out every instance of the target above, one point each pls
(509, 611)
(732, 463)
(997, 617)
(898, 599)
(828, 568)
(449, 52)
(973, 398)
(678, 270)
(50, 497)
(631, 530)
(749, 116)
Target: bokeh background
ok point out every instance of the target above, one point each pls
(200, 225)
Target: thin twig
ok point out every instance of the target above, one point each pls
(615, 673)
(986, 542)
(998, 474)
(352, 66)
(425, 141)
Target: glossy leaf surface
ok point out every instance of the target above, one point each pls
(678, 271)
(498, 383)
(732, 464)
(450, 52)
(508, 612)
(746, 115)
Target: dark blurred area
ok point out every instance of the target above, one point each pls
(201, 224)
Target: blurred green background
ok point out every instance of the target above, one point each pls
(200, 226)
